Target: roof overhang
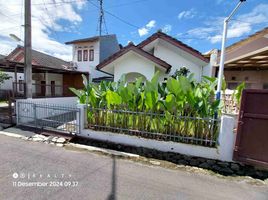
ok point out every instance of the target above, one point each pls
(107, 64)
(11, 66)
(248, 54)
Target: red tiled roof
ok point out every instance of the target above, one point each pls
(132, 47)
(40, 59)
(174, 42)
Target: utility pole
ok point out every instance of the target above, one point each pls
(101, 17)
(102, 24)
(222, 58)
(28, 49)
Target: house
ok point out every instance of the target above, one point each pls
(159, 52)
(51, 76)
(89, 52)
(247, 61)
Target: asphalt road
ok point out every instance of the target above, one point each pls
(83, 175)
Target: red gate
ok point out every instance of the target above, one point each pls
(252, 133)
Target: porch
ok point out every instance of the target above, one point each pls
(46, 81)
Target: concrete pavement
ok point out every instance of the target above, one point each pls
(30, 170)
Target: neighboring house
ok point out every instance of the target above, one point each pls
(160, 52)
(51, 76)
(247, 61)
(89, 52)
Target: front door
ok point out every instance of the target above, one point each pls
(43, 88)
(53, 88)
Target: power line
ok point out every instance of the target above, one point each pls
(51, 20)
(120, 19)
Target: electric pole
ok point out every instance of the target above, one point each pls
(28, 49)
(102, 24)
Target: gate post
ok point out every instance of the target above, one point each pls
(226, 139)
(81, 117)
(17, 107)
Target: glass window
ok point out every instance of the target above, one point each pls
(85, 55)
(79, 55)
(91, 54)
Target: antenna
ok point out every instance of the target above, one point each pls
(101, 19)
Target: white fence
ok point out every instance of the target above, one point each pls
(224, 150)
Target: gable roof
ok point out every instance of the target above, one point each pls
(40, 59)
(90, 39)
(132, 47)
(174, 42)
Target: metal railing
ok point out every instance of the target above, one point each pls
(158, 126)
(41, 90)
(49, 116)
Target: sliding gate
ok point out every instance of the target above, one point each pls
(52, 117)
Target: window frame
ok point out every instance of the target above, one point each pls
(91, 55)
(79, 55)
(85, 55)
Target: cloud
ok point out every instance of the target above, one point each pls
(151, 24)
(187, 14)
(48, 19)
(145, 30)
(167, 28)
(240, 26)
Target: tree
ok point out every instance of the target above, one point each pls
(3, 77)
(181, 72)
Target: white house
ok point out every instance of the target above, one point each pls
(159, 52)
(89, 52)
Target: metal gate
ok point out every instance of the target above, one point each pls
(252, 134)
(52, 117)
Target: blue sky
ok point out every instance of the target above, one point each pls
(196, 23)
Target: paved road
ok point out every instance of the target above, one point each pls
(103, 177)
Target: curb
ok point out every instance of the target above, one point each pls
(101, 150)
(13, 135)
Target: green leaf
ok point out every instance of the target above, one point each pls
(113, 98)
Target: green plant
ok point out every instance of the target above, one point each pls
(3, 77)
(153, 106)
(181, 72)
(238, 92)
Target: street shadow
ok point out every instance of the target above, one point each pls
(112, 195)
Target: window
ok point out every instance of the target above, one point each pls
(79, 55)
(233, 78)
(85, 55)
(91, 55)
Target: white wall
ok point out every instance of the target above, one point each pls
(58, 78)
(26, 108)
(177, 60)
(134, 63)
(222, 152)
(87, 65)
(8, 84)
(208, 70)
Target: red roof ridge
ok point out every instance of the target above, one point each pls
(174, 41)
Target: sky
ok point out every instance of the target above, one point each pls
(198, 24)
